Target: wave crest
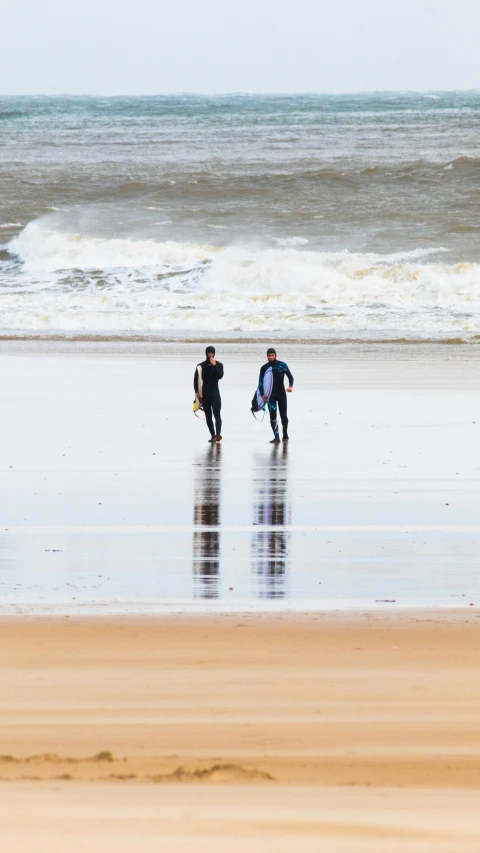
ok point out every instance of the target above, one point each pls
(74, 282)
(46, 250)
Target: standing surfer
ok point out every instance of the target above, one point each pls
(205, 383)
(279, 369)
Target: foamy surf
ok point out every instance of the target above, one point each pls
(42, 249)
(73, 282)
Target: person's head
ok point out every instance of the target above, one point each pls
(210, 351)
(271, 354)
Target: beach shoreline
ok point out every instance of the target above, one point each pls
(113, 500)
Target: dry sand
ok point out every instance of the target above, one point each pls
(216, 732)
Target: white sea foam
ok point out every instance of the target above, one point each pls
(75, 282)
(291, 241)
(11, 225)
(45, 250)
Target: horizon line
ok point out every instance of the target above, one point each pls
(242, 94)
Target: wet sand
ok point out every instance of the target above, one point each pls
(276, 731)
(112, 500)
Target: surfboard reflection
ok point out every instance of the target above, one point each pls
(269, 553)
(206, 513)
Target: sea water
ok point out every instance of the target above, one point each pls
(316, 217)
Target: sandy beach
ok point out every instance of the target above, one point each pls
(245, 645)
(283, 731)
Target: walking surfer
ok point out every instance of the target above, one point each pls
(279, 369)
(205, 383)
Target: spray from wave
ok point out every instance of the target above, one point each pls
(44, 250)
(71, 282)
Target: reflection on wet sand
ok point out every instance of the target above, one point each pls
(8, 567)
(271, 507)
(206, 513)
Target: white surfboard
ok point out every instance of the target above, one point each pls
(267, 390)
(197, 404)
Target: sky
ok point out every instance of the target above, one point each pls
(135, 47)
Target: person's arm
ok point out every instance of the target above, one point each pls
(290, 378)
(216, 368)
(195, 380)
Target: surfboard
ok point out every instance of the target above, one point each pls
(197, 404)
(258, 403)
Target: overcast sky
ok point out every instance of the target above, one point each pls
(162, 46)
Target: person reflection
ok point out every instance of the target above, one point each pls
(271, 508)
(206, 513)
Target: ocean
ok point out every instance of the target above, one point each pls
(312, 217)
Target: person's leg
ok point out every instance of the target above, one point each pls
(272, 404)
(217, 406)
(282, 408)
(207, 408)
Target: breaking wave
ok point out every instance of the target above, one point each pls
(72, 282)
(44, 250)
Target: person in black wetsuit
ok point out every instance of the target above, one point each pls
(278, 396)
(212, 371)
